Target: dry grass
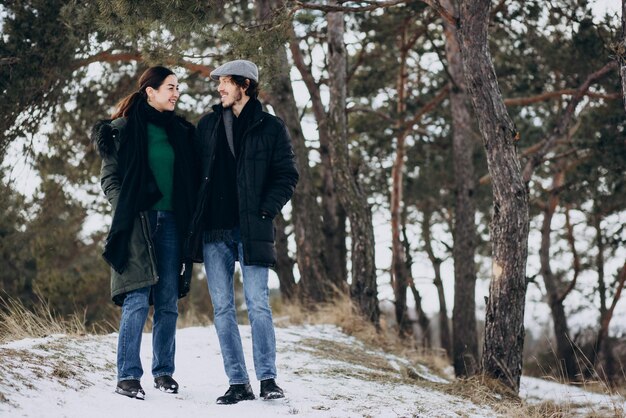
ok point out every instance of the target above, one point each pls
(484, 391)
(591, 379)
(354, 360)
(342, 313)
(192, 317)
(18, 322)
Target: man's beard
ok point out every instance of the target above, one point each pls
(237, 99)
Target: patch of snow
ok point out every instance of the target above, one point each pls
(324, 373)
(534, 390)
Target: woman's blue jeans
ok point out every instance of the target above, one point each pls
(219, 262)
(165, 297)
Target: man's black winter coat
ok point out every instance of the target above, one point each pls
(266, 179)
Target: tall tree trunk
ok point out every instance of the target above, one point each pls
(334, 228)
(363, 289)
(597, 218)
(314, 282)
(422, 319)
(603, 342)
(504, 322)
(399, 273)
(284, 263)
(334, 225)
(564, 345)
(606, 368)
(465, 343)
(444, 325)
(623, 57)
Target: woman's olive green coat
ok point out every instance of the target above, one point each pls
(141, 270)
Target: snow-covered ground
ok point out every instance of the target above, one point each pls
(575, 400)
(324, 372)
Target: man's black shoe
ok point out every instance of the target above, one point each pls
(236, 393)
(166, 384)
(270, 390)
(130, 388)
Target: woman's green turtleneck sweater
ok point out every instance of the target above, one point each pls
(161, 160)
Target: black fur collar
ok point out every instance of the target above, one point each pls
(102, 137)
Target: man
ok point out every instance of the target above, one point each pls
(248, 174)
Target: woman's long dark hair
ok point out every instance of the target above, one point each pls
(152, 77)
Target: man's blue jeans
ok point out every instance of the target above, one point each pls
(165, 297)
(219, 262)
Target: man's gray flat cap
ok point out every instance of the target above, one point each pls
(242, 68)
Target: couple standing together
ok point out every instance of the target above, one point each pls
(182, 195)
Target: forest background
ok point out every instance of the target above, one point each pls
(402, 202)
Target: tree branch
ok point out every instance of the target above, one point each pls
(108, 56)
(442, 94)
(535, 148)
(498, 8)
(307, 77)
(576, 263)
(446, 14)
(203, 70)
(366, 109)
(359, 60)
(523, 101)
(371, 5)
(565, 120)
(9, 61)
(620, 286)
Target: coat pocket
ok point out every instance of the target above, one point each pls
(262, 228)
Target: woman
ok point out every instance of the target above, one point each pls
(147, 176)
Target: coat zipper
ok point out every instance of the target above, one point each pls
(243, 144)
